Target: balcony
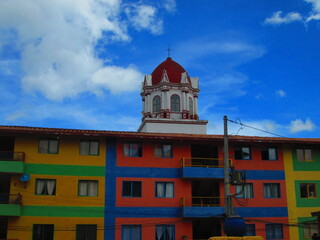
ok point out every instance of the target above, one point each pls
(10, 204)
(12, 162)
(202, 167)
(202, 207)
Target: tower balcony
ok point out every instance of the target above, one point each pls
(202, 167)
(10, 204)
(12, 162)
(202, 207)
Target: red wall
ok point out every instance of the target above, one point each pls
(148, 160)
(182, 227)
(182, 188)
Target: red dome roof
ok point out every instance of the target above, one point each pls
(174, 71)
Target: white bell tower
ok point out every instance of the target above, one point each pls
(170, 101)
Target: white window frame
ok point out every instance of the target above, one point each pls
(89, 147)
(164, 189)
(88, 188)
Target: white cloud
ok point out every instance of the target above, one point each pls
(314, 15)
(170, 5)
(206, 47)
(144, 17)
(280, 93)
(116, 79)
(298, 126)
(277, 19)
(232, 81)
(55, 41)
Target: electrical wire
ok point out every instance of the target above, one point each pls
(258, 129)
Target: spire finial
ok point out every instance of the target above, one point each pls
(169, 50)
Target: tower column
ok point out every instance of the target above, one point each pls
(196, 105)
(149, 103)
(144, 105)
(167, 100)
(163, 100)
(184, 104)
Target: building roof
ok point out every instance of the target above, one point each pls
(139, 135)
(173, 69)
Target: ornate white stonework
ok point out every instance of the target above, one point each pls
(170, 101)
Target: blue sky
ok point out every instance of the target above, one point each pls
(79, 64)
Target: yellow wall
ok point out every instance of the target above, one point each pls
(68, 151)
(21, 228)
(66, 191)
(291, 176)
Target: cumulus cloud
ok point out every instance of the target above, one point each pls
(280, 93)
(56, 40)
(299, 125)
(277, 19)
(313, 15)
(144, 17)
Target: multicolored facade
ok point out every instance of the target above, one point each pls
(126, 185)
(164, 182)
(302, 170)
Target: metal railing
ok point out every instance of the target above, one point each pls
(12, 156)
(202, 201)
(203, 162)
(6, 198)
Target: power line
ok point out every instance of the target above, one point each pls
(258, 129)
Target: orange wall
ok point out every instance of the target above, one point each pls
(182, 227)
(148, 159)
(181, 188)
(259, 200)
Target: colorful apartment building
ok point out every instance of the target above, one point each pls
(164, 182)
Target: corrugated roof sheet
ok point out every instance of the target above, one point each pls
(127, 134)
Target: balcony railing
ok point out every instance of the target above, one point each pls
(203, 162)
(6, 198)
(202, 201)
(12, 156)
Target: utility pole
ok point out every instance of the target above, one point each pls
(234, 225)
(227, 196)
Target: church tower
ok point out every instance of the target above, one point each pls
(170, 101)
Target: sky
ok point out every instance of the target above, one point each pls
(79, 63)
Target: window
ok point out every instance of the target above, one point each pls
(175, 103)
(270, 154)
(131, 189)
(48, 146)
(163, 151)
(271, 190)
(274, 231)
(250, 230)
(245, 190)
(164, 189)
(309, 229)
(45, 186)
(304, 155)
(156, 104)
(165, 232)
(243, 153)
(131, 232)
(308, 190)
(190, 105)
(132, 150)
(88, 188)
(89, 147)
(43, 232)
(86, 232)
